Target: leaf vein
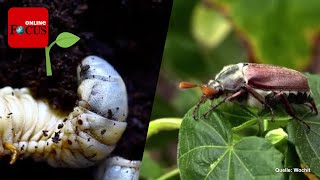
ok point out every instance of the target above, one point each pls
(216, 164)
(201, 147)
(243, 164)
(312, 147)
(215, 131)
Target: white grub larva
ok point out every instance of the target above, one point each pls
(118, 168)
(29, 128)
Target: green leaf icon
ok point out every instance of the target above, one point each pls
(66, 39)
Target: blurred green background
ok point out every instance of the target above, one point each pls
(204, 36)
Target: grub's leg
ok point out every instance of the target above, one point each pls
(83, 104)
(202, 100)
(229, 98)
(14, 152)
(261, 99)
(289, 108)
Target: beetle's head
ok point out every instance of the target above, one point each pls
(213, 89)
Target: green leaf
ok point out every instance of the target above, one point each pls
(292, 161)
(209, 27)
(236, 113)
(66, 39)
(307, 142)
(207, 151)
(279, 31)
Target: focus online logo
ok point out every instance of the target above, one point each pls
(28, 27)
(31, 27)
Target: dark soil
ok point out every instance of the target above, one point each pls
(130, 34)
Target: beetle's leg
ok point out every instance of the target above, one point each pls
(14, 152)
(260, 99)
(313, 104)
(310, 106)
(202, 100)
(229, 98)
(206, 114)
(289, 108)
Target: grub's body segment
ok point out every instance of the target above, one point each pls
(119, 168)
(28, 128)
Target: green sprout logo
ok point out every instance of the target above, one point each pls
(64, 40)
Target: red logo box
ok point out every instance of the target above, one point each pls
(28, 27)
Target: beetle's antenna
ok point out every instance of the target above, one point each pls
(186, 85)
(205, 90)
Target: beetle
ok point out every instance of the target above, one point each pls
(257, 84)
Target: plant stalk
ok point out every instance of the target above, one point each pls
(48, 62)
(170, 174)
(244, 125)
(163, 124)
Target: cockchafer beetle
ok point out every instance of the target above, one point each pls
(258, 84)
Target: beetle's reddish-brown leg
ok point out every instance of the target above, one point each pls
(206, 114)
(202, 100)
(289, 108)
(260, 99)
(314, 107)
(229, 98)
(311, 107)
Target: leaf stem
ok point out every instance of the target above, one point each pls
(163, 124)
(170, 174)
(48, 62)
(244, 125)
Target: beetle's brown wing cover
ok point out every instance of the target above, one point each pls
(269, 77)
